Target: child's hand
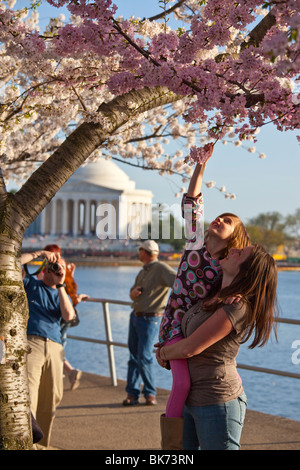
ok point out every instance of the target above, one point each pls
(232, 300)
(161, 362)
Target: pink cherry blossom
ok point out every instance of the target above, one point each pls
(198, 155)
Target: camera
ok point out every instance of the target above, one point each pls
(54, 268)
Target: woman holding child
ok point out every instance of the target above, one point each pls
(225, 290)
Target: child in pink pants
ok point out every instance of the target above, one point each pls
(199, 277)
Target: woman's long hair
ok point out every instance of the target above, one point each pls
(239, 239)
(256, 284)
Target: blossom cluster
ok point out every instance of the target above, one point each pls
(198, 155)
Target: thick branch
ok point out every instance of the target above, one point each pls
(258, 33)
(43, 184)
(3, 190)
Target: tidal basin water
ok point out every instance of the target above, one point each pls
(266, 393)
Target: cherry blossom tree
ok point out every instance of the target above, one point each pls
(102, 85)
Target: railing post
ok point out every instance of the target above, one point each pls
(110, 347)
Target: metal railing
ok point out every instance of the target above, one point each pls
(110, 343)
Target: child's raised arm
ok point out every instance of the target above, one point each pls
(194, 188)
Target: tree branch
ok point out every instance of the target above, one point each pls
(34, 195)
(3, 194)
(258, 33)
(165, 13)
(143, 167)
(256, 36)
(3, 190)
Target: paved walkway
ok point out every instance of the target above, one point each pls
(93, 418)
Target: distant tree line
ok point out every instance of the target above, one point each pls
(271, 229)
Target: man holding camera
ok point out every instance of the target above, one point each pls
(149, 295)
(48, 303)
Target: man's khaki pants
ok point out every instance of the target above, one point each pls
(45, 376)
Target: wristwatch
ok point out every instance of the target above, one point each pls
(60, 285)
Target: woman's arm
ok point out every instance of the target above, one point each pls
(49, 255)
(66, 307)
(210, 332)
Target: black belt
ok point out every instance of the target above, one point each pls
(147, 314)
(39, 337)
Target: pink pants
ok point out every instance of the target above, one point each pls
(180, 387)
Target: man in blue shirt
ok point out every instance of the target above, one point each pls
(48, 303)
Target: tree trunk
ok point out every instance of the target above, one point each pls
(17, 212)
(15, 424)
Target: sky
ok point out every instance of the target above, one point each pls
(260, 185)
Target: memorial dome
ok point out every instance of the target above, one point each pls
(103, 173)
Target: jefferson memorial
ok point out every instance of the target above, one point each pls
(99, 199)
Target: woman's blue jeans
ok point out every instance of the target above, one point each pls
(143, 334)
(214, 427)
